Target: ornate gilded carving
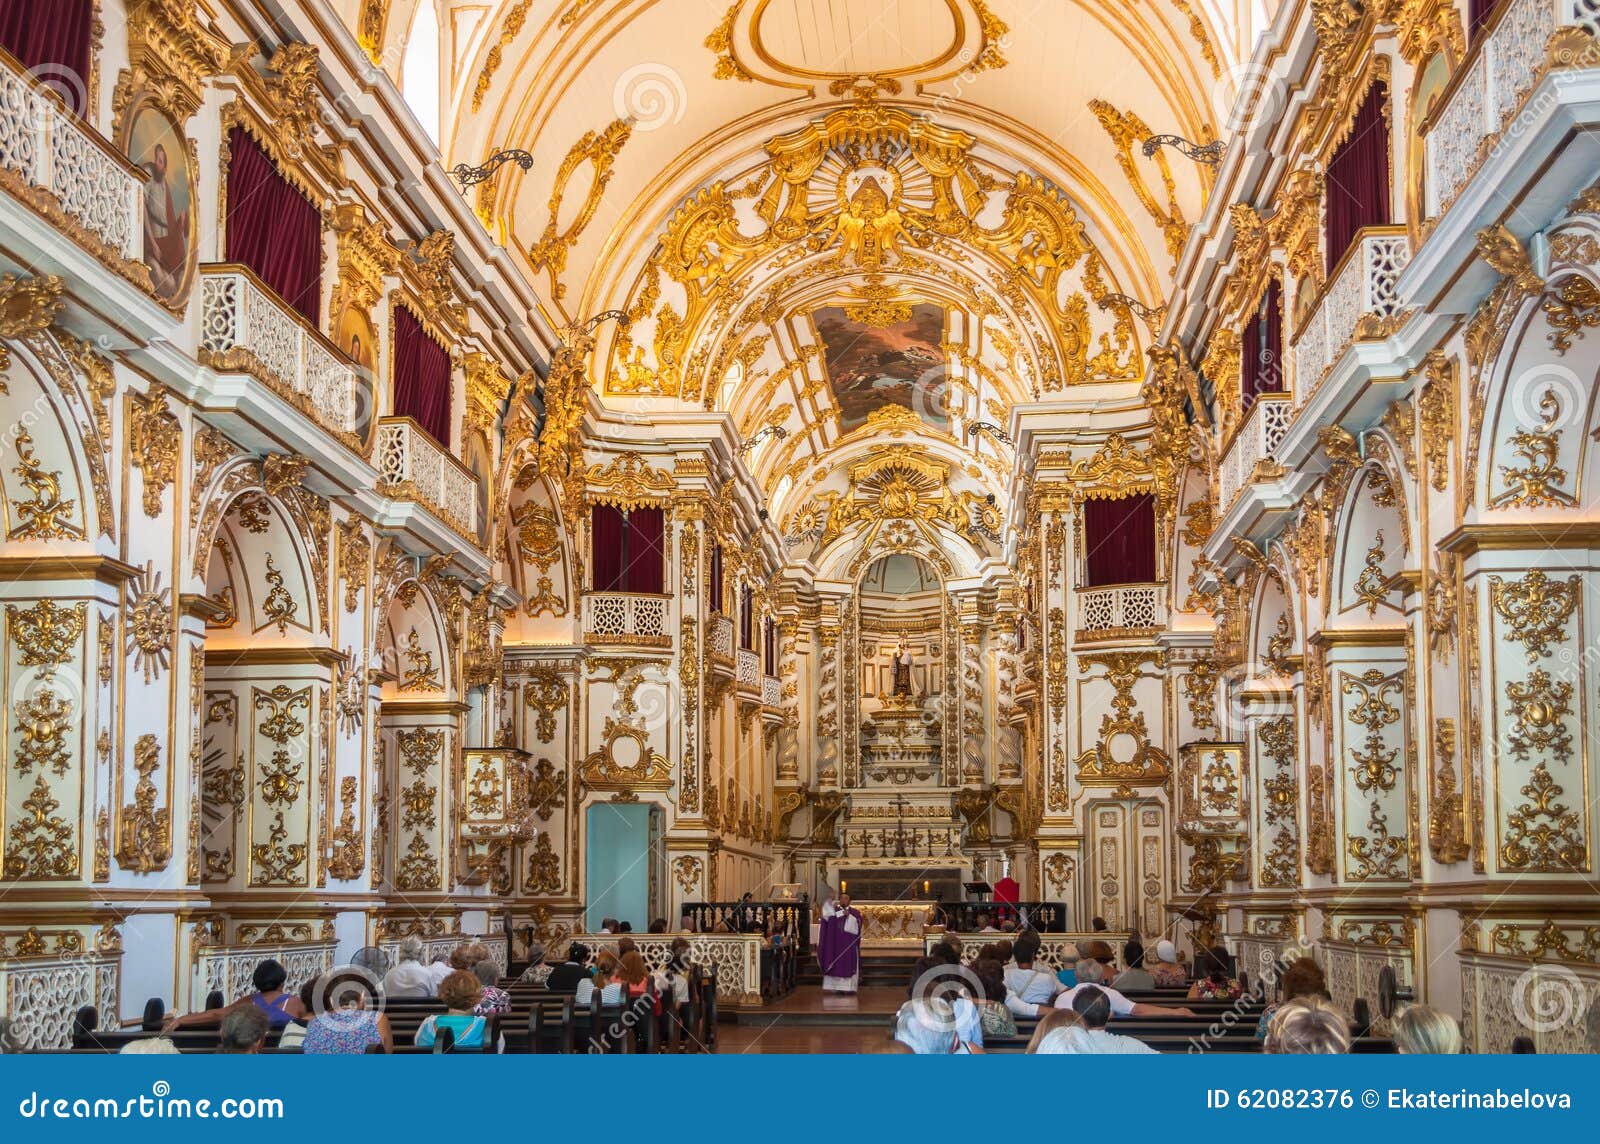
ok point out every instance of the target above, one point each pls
(1539, 708)
(598, 149)
(1537, 608)
(349, 848)
(419, 869)
(28, 306)
(41, 845)
(144, 833)
(147, 619)
(46, 515)
(1124, 724)
(1127, 130)
(1371, 587)
(1374, 768)
(1447, 838)
(46, 634)
(1543, 835)
(1436, 417)
(545, 693)
(155, 443)
(1537, 482)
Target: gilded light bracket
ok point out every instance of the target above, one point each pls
(470, 176)
(777, 431)
(993, 430)
(1210, 153)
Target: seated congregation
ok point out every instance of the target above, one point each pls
(1000, 998)
(607, 1002)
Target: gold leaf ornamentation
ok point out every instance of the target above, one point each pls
(1537, 608)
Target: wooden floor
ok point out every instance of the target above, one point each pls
(811, 1021)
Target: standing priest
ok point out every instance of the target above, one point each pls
(839, 946)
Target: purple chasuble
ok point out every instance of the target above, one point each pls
(839, 952)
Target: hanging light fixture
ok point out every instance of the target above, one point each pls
(469, 176)
(1210, 154)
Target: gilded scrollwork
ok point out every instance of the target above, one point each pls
(1537, 609)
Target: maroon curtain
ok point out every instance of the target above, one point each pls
(1120, 538)
(50, 38)
(747, 635)
(1478, 13)
(644, 551)
(272, 228)
(715, 585)
(1261, 354)
(421, 377)
(769, 647)
(607, 530)
(1358, 176)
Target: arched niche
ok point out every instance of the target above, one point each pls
(538, 553)
(1275, 638)
(1370, 548)
(53, 486)
(261, 578)
(1536, 456)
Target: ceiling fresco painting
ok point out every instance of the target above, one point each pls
(896, 364)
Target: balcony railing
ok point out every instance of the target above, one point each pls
(48, 150)
(1357, 302)
(748, 678)
(633, 618)
(1487, 90)
(244, 326)
(411, 466)
(1263, 428)
(719, 638)
(1121, 607)
(771, 691)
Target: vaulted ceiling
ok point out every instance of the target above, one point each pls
(849, 220)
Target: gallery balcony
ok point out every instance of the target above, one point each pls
(747, 678)
(247, 330)
(73, 180)
(1518, 122)
(1120, 611)
(424, 484)
(1254, 442)
(1359, 303)
(719, 645)
(627, 619)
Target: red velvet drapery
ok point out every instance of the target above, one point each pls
(645, 551)
(1119, 537)
(421, 377)
(272, 228)
(1261, 351)
(747, 608)
(1478, 13)
(50, 38)
(628, 552)
(714, 586)
(1358, 176)
(607, 528)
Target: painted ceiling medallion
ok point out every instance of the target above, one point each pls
(802, 43)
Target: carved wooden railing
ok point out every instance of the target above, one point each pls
(736, 957)
(41, 994)
(1261, 433)
(739, 917)
(1056, 950)
(412, 466)
(1121, 608)
(45, 149)
(634, 618)
(443, 944)
(245, 326)
(1046, 917)
(1488, 88)
(1358, 302)
(747, 679)
(231, 967)
(771, 691)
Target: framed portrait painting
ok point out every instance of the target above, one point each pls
(157, 146)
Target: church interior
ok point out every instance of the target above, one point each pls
(712, 480)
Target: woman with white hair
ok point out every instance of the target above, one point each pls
(149, 1047)
(929, 1026)
(1165, 970)
(409, 977)
(1308, 1026)
(1423, 1029)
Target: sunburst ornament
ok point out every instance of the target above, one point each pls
(148, 621)
(878, 305)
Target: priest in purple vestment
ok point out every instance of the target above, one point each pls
(839, 946)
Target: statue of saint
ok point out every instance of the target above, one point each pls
(902, 669)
